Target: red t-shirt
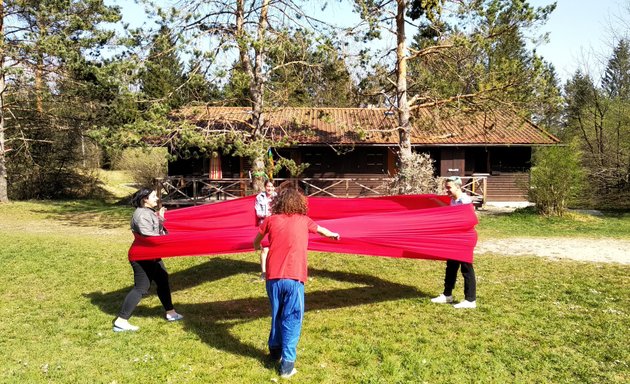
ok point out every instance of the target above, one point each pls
(288, 242)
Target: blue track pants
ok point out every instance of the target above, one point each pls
(287, 310)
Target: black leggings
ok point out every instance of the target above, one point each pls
(470, 283)
(144, 272)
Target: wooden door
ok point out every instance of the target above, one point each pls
(452, 162)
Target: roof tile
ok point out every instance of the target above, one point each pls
(378, 126)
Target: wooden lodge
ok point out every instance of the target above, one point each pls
(352, 152)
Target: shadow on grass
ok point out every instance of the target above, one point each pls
(212, 321)
(88, 213)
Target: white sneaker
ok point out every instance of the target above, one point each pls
(289, 374)
(466, 304)
(174, 317)
(442, 299)
(122, 325)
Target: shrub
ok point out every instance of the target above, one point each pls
(144, 164)
(416, 176)
(556, 179)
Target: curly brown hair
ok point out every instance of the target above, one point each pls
(289, 200)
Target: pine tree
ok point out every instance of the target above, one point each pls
(40, 40)
(318, 77)
(479, 61)
(616, 80)
(252, 29)
(197, 88)
(162, 79)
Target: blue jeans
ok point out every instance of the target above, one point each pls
(287, 310)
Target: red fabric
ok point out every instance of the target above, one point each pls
(288, 243)
(411, 226)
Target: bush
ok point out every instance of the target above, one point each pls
(58, 166)
(416, 176)
(144, 164)
(556, 179)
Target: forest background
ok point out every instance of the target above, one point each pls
(78, 86)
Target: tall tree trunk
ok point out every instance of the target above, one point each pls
(257, 83)
(404, 129)
(39, 84)
(257, 90)
(4, 196)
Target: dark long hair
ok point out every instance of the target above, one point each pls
(139, 197)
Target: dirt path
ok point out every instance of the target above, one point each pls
(598, 250)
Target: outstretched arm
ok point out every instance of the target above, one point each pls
(325, 232)
(257, 240)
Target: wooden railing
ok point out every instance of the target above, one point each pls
(476, 187)
(190, 190)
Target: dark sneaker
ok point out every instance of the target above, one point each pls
(275, 354)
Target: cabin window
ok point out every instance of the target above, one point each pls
(314, 159)
(375, 159)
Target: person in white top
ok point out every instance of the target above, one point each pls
(453, 186)
(263, 209)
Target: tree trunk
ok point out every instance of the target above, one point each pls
(4, 196)
(39, 84)
(404, 129)
(256, 89)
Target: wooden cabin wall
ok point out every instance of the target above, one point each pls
(507, 168)
(353, 163)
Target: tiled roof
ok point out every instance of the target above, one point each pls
(377, 126)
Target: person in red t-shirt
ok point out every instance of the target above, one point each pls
(288, 228)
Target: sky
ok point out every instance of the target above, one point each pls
(581, 32)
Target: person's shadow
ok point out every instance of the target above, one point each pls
(212, 321)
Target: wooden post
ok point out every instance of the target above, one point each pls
(485, 190)
(158, 190)
(195, 190)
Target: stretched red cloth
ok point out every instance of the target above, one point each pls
(411, 226)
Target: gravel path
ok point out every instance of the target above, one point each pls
(598, 250)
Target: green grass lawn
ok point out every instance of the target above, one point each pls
(368, 320)
(525, 223)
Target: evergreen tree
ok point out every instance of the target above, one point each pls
(601, 126)
(547, 105)
(41, 40)
(197, 88)
(616, 80)
(162, 79)
(252, 29)
(371, 88)
(104, 103)
(318, 77)
(479, 61)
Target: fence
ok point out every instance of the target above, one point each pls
(190, 190)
